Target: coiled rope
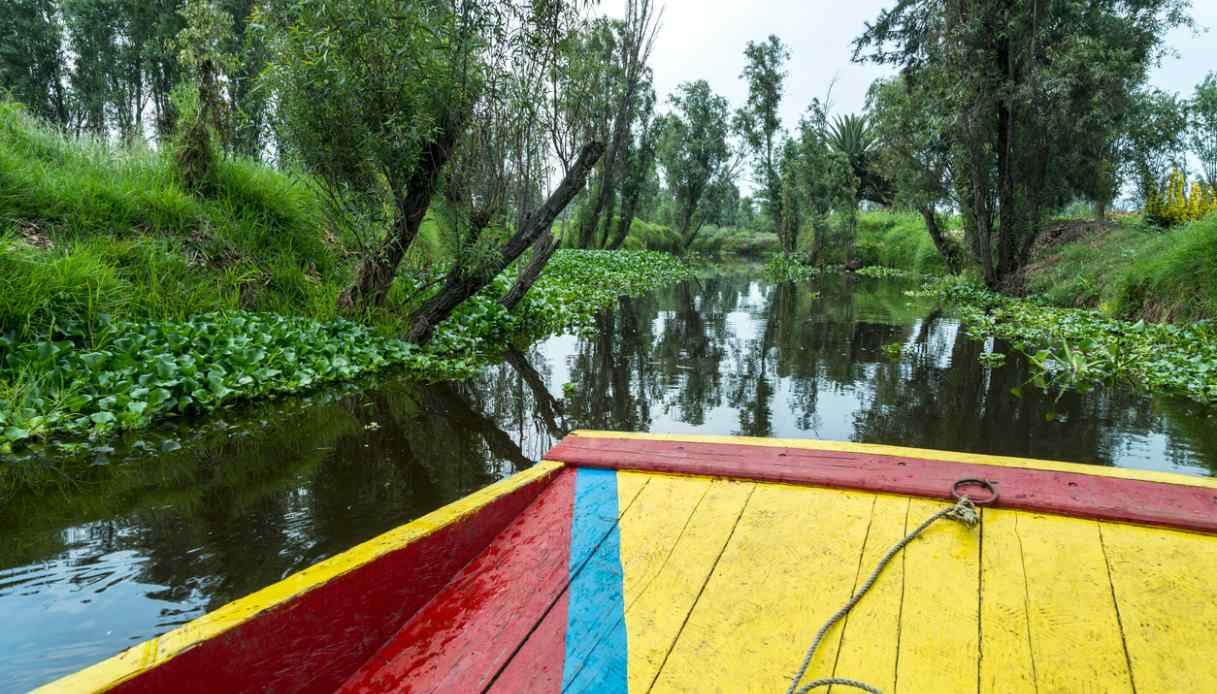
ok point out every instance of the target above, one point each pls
(964, 511)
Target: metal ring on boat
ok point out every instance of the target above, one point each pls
(977, 482)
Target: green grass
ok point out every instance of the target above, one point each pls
(1134, 271)
(125, 238)
(898, 240)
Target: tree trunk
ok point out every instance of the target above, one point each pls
(542, 250)
(819, 227)
(1100, 210)
(460, 285)
(628, 210)
(948, 252)
(377, 270)
(688, 240)
(982, 215)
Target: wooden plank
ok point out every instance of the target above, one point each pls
(1075, 633)
(1006, 663)
(596, 612)
(469, 631)
(313, 628)
(790, 563)
(907, 452)
(871, 634)
(667, 562)
(1166, 589)
(540, 663)
(1075, 493)
(939, 620)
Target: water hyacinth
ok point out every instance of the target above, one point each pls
(1078, 348)
(122, 375)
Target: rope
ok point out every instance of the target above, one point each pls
(964, 511)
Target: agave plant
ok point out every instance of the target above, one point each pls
(852, 136)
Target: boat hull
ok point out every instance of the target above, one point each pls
(651, 563)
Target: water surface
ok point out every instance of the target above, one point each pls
(97, 557)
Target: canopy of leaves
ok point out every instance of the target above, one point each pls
(693, 149)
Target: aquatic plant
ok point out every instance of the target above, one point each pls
(94, 377)
(992, 360)
(1078, 348)
(789, 268)
(881, 272)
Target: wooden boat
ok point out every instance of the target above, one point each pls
(681, 563)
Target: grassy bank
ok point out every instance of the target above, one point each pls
(1130, 270)
(714, 241)
(125, 299)
(87, 229)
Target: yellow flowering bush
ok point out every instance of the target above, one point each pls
(1177, 204)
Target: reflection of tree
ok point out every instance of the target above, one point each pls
(221, 519)
(547, 407)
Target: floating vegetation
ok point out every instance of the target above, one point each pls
(881, 272)
(93, 379)
(1078, 348)
(991, 360)
(788, 268)
(893, 350)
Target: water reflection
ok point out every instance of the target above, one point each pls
(96, 557)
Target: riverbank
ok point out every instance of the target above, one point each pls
(92, 378)
(125, 299)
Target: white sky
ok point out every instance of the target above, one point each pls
(705, 39)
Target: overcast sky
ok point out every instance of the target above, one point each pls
(705, 39)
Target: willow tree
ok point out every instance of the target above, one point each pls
(916, 156)
(759, 121)
(693, 151)
(1202, 131)
(393, 104)
(32, 59)
(1019, 83)
(824, 178)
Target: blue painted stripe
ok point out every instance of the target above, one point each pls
(596, 649)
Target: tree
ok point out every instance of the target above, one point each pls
(759, 121)
(390, 103)
(915, 154)
(639, 166)
(32, 63)
(372, 98)
(693, 151)
(825, 178)
(1153, 141)
(636, 39)
(1020, 83)
(1203, 131)
(204, 110)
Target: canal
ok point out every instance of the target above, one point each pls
(175, 522)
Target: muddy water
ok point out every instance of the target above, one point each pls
(96, 557)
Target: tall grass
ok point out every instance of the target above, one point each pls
(1135, 271)
(125, 237)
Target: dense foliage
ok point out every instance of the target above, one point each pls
(118, 374)
(1078, 348)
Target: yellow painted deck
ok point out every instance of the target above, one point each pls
(726, 582)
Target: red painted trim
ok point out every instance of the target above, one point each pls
(460, 640)
(314, 642)
(537, 668)
(1066, 493)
